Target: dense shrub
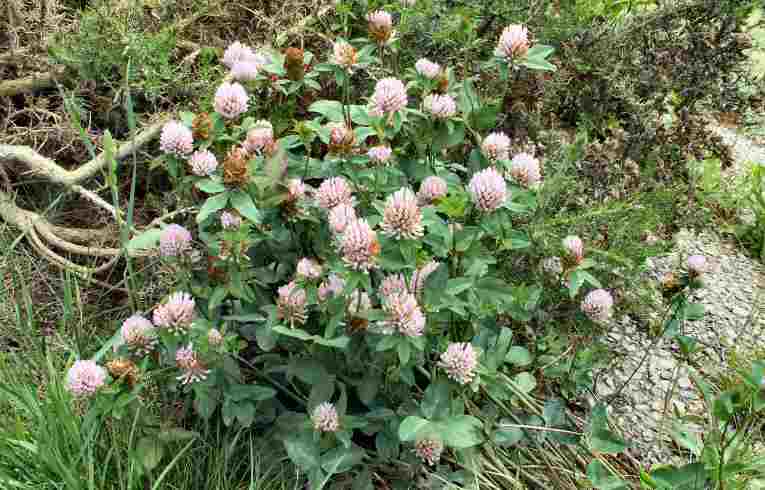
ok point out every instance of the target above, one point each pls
(366, 253)
(321, 294)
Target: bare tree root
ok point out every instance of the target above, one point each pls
(43, 235)
(50, 170)
(26, 85)
(13, 57)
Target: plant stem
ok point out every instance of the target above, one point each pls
(723, 447)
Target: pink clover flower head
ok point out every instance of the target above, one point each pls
(359, 245)
(203, 163)
(432, 189)
(295, 189)
(697, 265)
(236, 53)
(380, 19)
(245, 71)
(194, 370)
(230, 220)
(332, 192)
(488, 190)
(291, 303)
(174, 241)
(332, 286)
(230, 100)
(177, 314)
(496, 146)
(598, 305)
(380, 25)
(405, 315)
(138, 334)
(340, 216)
(574, 247)
(343, 54)
(185, 356)
(459, 361)
(84, 378)
(308, 269)
(380, 154)
(429, 450)
(427, 68)
(324, 418)
(392, 284)
(514, 42)
(388, 98)
(525, 169)
(176, 139)
(214, 337)
(417, 285)
(440, 106)
(358, 303)
(248, 67)
(259, 137)
(402, 218)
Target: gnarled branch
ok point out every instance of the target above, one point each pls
(50, 170)
(42, 234)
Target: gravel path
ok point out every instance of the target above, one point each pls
(744, 149)
(734, 300)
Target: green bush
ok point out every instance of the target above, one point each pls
(116, 45)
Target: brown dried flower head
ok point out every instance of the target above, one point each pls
(670, 284)
(201, 126)
(123, 369)
(235, 167)
(294, 63)
(215, 270)
(443, 83)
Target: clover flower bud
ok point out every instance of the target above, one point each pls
(174, 241)
(380, 25)
(431, 190)
(291, 304)
(177, 314)
(84, 378)
(402, 218)
(332, 192)
(427, 68)
(496, 146)
(574, 248)
(459, 361)
(359, 245)
(176, 139)
(230, 100)
(598, 305)
(325, 418)
(525, 169)
(138, 334)
(388, 98)
(308, 269)
(203, 163)
(488, 190)
(514, 42)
